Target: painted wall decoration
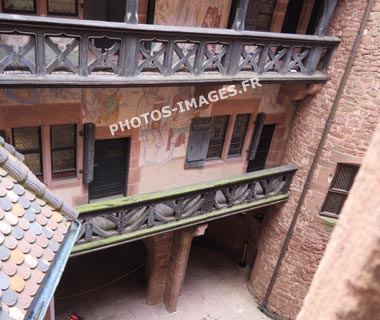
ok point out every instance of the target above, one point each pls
(26, 97)
(30, 96)
(101, 106)
(166, 139)
(201, 13)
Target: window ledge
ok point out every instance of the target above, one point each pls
(71, 182)
(218, 162)
(328, 221)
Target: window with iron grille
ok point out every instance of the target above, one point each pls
(259, 15)
(218, 133)
(238, 134)
(41, 7)
(62, 7)
(339, 189)
(28, 142)
(63, 151)
(19, 6)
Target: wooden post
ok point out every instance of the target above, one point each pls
(240, 15)
(307, 9)
(279, 15)
(131, 12)
(328, 10)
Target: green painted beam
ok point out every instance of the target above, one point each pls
(121, 202)
(138, 234)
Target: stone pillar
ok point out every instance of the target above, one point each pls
(347, 283)
(181, 246)
(159, 248)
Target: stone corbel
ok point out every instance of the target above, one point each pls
(296, 92)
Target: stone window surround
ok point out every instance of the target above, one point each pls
(332, 190)
(46, 155)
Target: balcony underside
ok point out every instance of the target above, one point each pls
(37, 51)
(111, 223)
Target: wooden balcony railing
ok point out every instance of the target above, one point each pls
(55, 52)
(116, 221)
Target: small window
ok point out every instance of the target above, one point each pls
(259, 15)
(19, 6)
(63, 151)
(28, 142)
(238, 135)
(218, 132)
(62, 7)
(339, 189)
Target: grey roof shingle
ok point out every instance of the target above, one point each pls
(33, 225)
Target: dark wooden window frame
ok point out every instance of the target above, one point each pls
(191, 163)
(74, 148)
(19, 11)
(41, 8)
(221, 145)
(63, 14)
(33, 151)
(342, 192)
(244, 136)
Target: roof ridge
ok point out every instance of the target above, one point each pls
(12, 162)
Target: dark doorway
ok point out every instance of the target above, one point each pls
(292, 16)
(110, 168)
(315, 17)
(104, 10)
(258, 162)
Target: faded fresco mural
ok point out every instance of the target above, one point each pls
(30, 96)
(161, 141)
(201, 13)
(165, 139)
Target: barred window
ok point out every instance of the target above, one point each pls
(63, 151)
(63, 7)
(28, 142)
(19, 6)
(238, 135)
(339, 189)
(259, 15)
(218, 132)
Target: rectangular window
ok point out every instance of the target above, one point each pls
(63, 151)
(19, 6)
(259, 15)
(62, 7)
(28, 142)
(339, 189)
(218, 132)
(238, 135)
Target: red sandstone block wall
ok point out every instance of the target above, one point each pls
(348, 140)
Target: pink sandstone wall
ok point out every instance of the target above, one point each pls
(158, 150)
(349, 137)
(349, 271)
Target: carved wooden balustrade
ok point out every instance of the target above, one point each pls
(56, 51)
(114, 221)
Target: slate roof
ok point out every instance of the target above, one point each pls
(33, 225)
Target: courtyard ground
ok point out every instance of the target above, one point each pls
(214, 287)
